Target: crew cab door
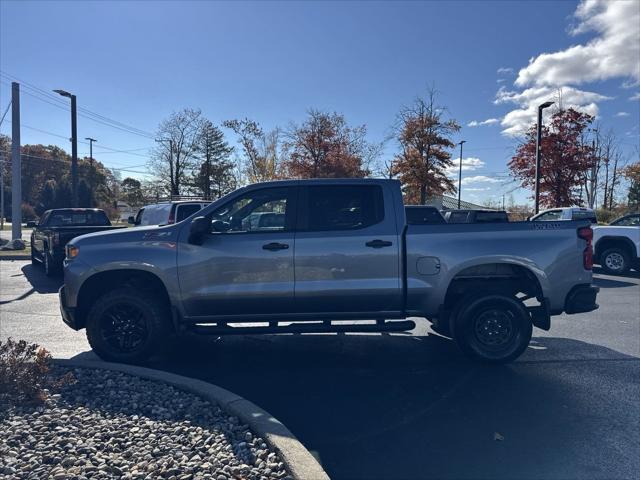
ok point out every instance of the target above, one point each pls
(347, 250)
(244, 266)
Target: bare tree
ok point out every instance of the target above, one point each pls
(178, 140)
(262, 157)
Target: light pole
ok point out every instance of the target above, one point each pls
(538, 149)
(74, 146)
(460, 173)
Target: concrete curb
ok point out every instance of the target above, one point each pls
(299, 461)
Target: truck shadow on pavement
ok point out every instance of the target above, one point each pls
(39, 281)
(411, 407)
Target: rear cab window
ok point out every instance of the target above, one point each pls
(457, 217)
(491, 217)
(78, 219)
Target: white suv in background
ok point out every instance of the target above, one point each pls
(565, 213)
(167, 213)
(616, 246)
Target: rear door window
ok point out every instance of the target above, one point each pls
(584, 215)
(343, 207)
(187, 210)
(155, 214)
(550, 216)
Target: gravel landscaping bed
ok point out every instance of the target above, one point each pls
(106, 424)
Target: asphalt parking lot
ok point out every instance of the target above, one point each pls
(408, 406)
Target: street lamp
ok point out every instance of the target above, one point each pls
(460, 173)
(74, 146)
(538, 149)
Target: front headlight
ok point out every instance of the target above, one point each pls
(71, 251)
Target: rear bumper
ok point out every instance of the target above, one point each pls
(581, 298)
(68, 313)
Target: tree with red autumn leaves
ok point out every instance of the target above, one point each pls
(425, 138)
(325, 146)
(564, 159)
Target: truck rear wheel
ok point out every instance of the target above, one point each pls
(128, 326)
(492, 328)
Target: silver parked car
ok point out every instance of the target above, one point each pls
(166, 213)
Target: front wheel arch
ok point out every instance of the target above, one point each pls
(102, 282)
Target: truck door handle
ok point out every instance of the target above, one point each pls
(378, 244)
(273, 246)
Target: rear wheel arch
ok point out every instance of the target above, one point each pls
(492, 278)
(104, 282)
(609, 242)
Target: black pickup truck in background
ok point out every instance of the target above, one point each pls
(57, 227)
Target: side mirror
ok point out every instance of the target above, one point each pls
(220, 226)
(32, 224)
(199, 227)
(131, 220)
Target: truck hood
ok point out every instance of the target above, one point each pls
(132, 234)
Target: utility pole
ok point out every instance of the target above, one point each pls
(208, 168)
(538, 151)
(2, 175)
(460, 174)
(91, 172)
(91, 140)
(16, 164)
(74, 146)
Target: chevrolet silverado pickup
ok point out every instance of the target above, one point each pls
(57, 227)
(297, 256)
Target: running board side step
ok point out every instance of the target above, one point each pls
(307, 327)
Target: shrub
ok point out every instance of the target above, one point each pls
(24, 373)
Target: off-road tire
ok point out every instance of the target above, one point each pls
(154, 313)
(491, 328)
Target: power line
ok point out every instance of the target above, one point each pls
(110, 149)
(39, 93)
(29, 157)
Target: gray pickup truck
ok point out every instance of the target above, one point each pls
(297, 256)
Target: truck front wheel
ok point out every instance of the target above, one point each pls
(128, 326)
(492, 328)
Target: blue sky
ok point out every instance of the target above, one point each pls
(138, 61)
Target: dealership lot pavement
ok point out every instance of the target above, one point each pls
(408, 405)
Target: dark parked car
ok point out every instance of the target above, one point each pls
(423, 215)
(476, 216)
(57, 227)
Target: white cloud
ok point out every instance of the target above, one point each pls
(518, 121)
(635, 97)
(488, 121)
(478, 189)
(614, 52)
(622, 114)
(504, 70)
(479, 179)
(469, 164)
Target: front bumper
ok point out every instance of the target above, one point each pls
(581, 298)
(68, 313)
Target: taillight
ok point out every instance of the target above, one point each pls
(56, 238)
(172, 216)
(587, 256)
